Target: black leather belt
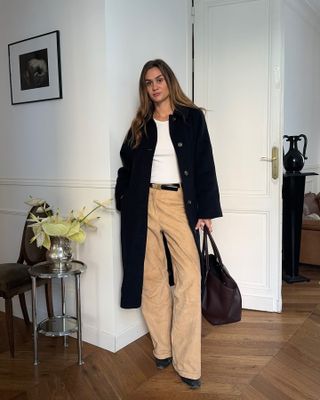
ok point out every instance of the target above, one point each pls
(168, 186)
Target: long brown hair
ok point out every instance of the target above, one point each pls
(146, 107)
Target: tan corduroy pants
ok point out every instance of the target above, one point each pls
(173, 317)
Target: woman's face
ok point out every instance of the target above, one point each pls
(156, 85)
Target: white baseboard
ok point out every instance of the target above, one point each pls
(260, 303)
(111, 342)
(130, 335)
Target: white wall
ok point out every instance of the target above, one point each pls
(59, 150)
(136, 32)
(67, 151)
(302, 81)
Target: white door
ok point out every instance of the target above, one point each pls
(238, 71)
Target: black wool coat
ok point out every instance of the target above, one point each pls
(190, 138)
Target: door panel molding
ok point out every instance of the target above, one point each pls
(238, 79)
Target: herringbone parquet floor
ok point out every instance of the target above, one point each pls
(267, 356)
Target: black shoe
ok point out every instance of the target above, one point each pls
(193, 383)
(163, 363)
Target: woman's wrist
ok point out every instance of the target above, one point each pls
(202, 222)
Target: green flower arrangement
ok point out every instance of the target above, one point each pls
(54, 225)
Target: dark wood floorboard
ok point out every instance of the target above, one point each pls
(266, 356)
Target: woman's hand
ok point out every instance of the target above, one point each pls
(202, 222)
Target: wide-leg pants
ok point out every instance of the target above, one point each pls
(172, 316)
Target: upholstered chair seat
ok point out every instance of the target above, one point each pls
(13, 276)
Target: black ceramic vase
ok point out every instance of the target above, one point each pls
(293, 160)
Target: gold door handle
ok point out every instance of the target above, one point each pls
(268, 159)
(274, 160)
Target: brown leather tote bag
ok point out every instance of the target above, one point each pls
(221, 301)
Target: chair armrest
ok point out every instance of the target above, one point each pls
(311, 225)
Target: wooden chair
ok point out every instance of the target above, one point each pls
(15, 279)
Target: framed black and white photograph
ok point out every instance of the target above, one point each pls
(35, 69)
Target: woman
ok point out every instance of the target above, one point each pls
(166, 190)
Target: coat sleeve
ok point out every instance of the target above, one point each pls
(124, 172)
(206, 184)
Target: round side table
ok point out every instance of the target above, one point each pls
(58, 325)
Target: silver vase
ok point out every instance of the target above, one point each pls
(60, 251)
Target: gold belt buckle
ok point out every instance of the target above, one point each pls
(156, 186)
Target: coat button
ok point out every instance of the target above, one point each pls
(174, 118)
(189, 202)
(180, 144)
(186, 173)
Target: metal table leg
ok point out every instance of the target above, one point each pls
(79, 332)
(63, 300)
(34, 320)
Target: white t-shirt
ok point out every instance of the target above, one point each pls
(165, 164)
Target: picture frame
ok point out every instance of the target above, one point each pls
(35, 68)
